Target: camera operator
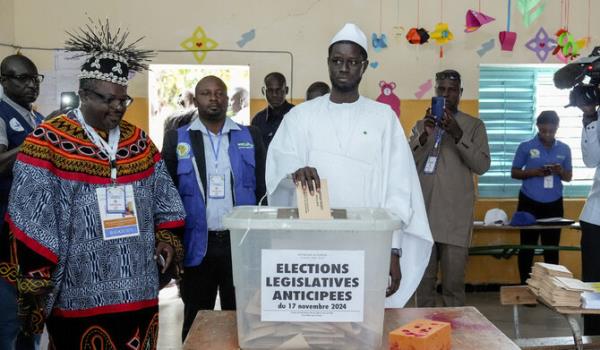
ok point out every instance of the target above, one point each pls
(586, 98)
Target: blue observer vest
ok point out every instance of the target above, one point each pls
(15, 139)
(241, 156)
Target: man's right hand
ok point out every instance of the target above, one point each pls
(428, 127)
(305, 177)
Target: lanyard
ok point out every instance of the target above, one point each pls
(439, 132)
(212, 144)
(109, 148)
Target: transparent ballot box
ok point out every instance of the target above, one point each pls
(310, 284)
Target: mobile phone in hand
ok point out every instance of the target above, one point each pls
(438, 104)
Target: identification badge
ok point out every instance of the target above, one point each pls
(549, 181)
(216, 186)
(118, 213)
(115, 200)
(430, 165)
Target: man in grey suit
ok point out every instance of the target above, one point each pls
(448, 152)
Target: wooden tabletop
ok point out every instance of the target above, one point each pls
(470, 329)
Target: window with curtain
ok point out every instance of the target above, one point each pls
(510, 98)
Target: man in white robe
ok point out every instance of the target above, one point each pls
(359, 146)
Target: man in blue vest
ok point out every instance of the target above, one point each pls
(216, 164)
(21, 84)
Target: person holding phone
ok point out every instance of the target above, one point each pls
(542, 163)
(448, 151)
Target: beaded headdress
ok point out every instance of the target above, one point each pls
(110, 58)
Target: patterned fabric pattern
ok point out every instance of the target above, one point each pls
(8, 271)
(60, 213)
(136, 331)
(62, 143)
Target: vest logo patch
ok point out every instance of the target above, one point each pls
(534, 153)
(15, 125)
(183, 150)
(245, 145)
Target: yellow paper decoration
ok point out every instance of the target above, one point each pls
(441, 34)
(199, 41)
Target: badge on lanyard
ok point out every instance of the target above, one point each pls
(216, 186)
(118, 212)
(549, 181)
(430, 164)
(433, 157)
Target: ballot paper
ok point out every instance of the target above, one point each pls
(315, 205)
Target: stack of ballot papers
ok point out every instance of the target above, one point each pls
(555, 285)
(591, 299)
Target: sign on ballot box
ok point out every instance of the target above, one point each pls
(312, 285)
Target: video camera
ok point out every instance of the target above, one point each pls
(572, 76)
(573, 73)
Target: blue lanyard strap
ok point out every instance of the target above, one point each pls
(439, 132)
(212, 144)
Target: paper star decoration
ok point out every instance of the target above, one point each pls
(378, 42)
(441, 34)
(541, 44)
(199, 41)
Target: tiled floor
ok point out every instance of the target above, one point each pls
(535, 321)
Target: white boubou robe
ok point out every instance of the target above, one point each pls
(361, 149)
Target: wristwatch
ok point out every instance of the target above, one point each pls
(397, 252)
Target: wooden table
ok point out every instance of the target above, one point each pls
(570, 314)
(217, 330)
(520, 295)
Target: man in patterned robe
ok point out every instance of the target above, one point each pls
(91, 208)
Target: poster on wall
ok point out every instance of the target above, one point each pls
(171, 92)
(312, 285)
(63, 78)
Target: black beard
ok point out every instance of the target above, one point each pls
(344, 88)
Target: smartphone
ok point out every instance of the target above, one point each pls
(437, 108)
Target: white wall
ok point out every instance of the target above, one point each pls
(7, 26)
(302, 27)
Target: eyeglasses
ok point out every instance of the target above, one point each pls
(26, 78)
(352, 62)
(447, 75)
(111, 100)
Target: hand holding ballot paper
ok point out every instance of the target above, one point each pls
(313, 205)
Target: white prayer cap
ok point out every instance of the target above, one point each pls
(352, 33)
